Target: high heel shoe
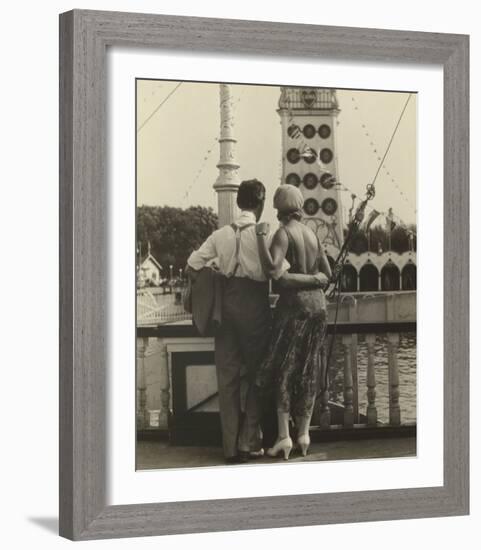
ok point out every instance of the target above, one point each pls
(282, 445)
(304, 441)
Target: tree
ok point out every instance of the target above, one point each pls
(173, 233)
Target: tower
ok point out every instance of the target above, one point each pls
(228, 180)
(308, 121)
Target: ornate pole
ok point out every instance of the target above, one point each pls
(228, 180)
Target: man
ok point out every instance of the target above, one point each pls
(242, 339)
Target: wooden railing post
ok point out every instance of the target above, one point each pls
(325, 413)
(348, 382)
(142, 413)
(164, 386)
(355, 381)
(371, 381)
(394, 408)
(353, 317)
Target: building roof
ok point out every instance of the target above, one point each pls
(152, 259)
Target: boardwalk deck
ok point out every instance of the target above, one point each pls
(153, 455)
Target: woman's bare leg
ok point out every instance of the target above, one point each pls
(303, 423)
(282, 424)
(283, 445)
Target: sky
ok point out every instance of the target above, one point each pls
(177, 151)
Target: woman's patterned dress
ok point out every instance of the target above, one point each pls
(293, 367)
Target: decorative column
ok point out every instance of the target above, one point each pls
(228, 181)
(394, 408)
(371, 381)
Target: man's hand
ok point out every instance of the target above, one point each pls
(191, 273)
(262, 228)
(323, 280)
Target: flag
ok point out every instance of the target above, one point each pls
(308, 152)
(390, 223)
(370, 220)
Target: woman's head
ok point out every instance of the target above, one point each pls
(251, 196)
(288, 202)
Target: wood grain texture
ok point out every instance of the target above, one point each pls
(66, 279)
(84, 37)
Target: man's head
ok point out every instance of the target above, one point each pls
(251, 196)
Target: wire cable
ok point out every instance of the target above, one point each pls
(159, 106)
(391, 140)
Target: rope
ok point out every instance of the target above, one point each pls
(158, 107)
(392, 138)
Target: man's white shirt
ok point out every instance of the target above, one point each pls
(221, 246)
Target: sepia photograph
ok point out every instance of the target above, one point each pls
(276, 237)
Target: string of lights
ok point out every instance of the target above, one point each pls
(209, 151)
(200, 169)
(375, 151)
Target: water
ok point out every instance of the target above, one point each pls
(407, 376)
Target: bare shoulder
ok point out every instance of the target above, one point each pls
(280, 238)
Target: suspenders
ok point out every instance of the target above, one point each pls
(237, 230)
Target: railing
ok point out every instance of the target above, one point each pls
(347, 412)
(160, 305)
(154, 381)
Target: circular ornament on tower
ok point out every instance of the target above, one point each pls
(293, 155)
(327, 180)
(293, 179)
(326, 155)
(294, 131)
(311, 207)
(309, 131)
(310, 180)
(324, 131)
(329, 206)
(309, 155)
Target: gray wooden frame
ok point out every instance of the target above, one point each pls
(84, 37)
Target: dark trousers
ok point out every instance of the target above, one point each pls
(241, 343)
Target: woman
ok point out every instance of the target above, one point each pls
(293, 364)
